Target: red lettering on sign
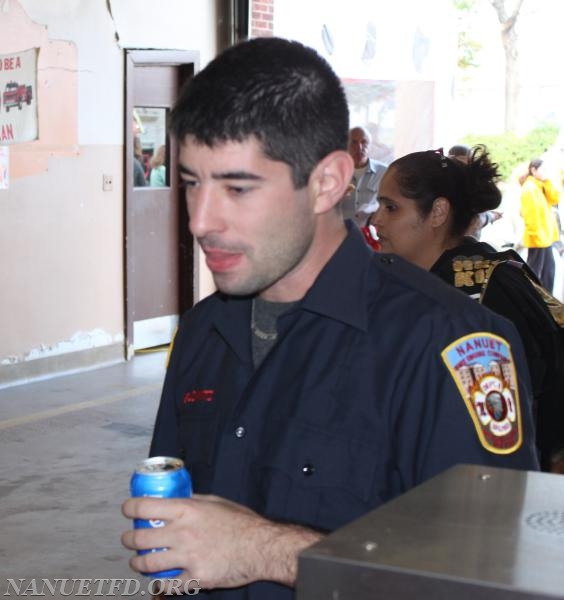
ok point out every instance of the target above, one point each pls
(10, 63)
(7, 132)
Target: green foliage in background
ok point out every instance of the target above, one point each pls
(509, 150)
(469, 49)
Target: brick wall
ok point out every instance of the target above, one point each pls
(262, 15)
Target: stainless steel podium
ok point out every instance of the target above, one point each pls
(471, 533)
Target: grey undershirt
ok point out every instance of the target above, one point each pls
(265, 317)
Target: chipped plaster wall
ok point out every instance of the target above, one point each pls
(61, 236)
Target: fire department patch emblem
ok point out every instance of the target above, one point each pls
(484, 371)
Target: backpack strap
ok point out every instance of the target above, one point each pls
(554, 306)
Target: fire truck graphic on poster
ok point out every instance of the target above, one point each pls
(18, 97)
(16, 94)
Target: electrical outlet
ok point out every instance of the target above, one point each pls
(107, 183)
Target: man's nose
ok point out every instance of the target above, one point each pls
(204, 212)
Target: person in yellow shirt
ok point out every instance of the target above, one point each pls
(538, 197)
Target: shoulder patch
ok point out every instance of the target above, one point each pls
(483, 368)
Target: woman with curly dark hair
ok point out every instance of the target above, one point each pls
(427, 202)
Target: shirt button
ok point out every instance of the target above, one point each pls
(387, 260)
(308, 470)
(240, 432)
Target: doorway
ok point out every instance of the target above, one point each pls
(158, 247)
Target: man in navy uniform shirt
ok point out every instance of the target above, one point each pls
(322, 379)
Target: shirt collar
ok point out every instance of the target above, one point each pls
(370, 166)
(339, 293)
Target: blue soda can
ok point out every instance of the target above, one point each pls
(160, 477)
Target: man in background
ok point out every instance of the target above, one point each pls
(362, 201)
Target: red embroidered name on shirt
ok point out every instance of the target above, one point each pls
(198, 396)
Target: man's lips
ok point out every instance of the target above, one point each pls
(219, 260)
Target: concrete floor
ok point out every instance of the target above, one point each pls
(68, 446)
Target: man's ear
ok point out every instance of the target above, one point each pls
(330, 179)
(440, 211)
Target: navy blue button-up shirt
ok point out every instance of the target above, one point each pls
(354, 405)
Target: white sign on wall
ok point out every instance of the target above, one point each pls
(18, 97)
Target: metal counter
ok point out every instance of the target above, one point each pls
(471, 533)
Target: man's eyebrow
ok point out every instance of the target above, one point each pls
(238, 175)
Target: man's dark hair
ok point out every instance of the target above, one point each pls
(283, 93)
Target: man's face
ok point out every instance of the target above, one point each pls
(358, 147)
(254, 228)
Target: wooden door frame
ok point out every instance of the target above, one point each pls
(189, 59)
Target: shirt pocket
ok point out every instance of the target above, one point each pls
(317, 478)
(197, 436)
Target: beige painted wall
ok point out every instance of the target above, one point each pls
(64, 273)
(61, 235)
